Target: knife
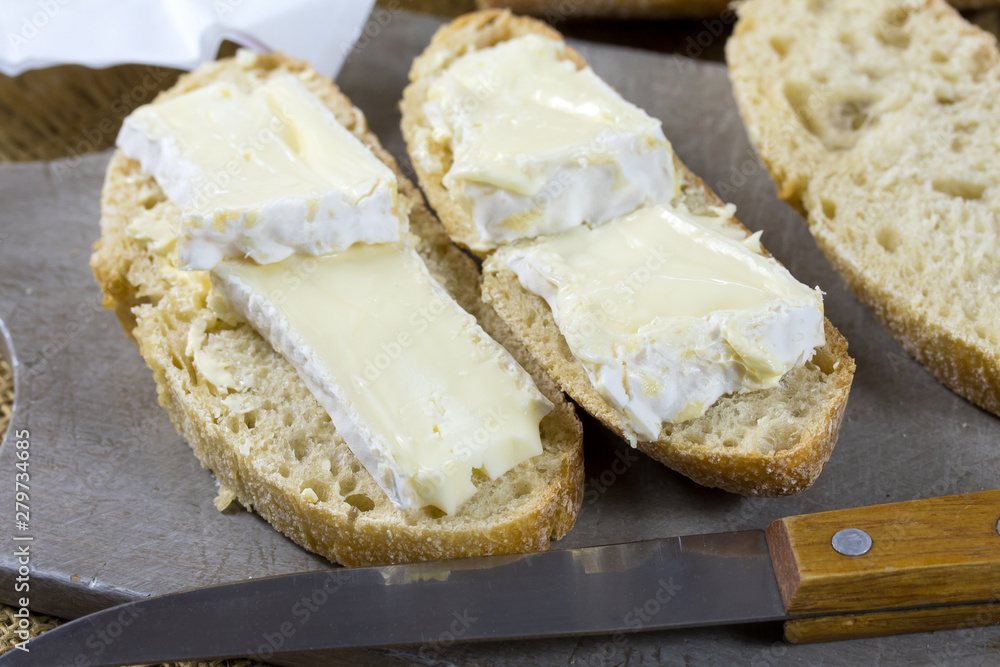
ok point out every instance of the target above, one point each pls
(889, 569)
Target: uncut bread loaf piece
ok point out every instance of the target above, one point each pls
(561, 10)
(269, 443)
(770, 442)
(879, 121)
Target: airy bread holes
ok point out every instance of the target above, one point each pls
(800, 98)
(322, 490)
(824, 361)
(781, 44)
(898, 39)
(889, 238)
(849, 41)
(890, 28)
(849, 115)
(946, 96)
(360, 502)
(432, 512)
(152, 200)
(958, 187)
(833, 121)
(479, 476)
(346, 486)
(300, 448)
(829, 208)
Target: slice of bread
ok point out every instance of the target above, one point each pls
(879, 121)
(560, 10)
(271, 446)
(769, 443)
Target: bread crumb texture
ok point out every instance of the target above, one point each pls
(880, 121)
(270, 444)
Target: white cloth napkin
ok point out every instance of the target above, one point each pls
(174, 33)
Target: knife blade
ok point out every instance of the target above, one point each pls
(921, 565)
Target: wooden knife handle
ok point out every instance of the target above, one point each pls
(941, 552)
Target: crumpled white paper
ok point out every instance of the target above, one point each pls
(174, 33)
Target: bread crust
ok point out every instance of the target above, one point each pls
(966, 364)
(750, 467)
(157, 305)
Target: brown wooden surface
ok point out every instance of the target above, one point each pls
(883, 623)
(924, 552)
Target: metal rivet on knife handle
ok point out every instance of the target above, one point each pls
(852, 542)
(998, 525)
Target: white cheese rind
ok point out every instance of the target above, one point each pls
(261, 174)
(418, 391)
(667, 315)
(538, 146)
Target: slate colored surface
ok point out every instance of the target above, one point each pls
(120, 508)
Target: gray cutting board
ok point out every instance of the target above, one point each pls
(120, 508)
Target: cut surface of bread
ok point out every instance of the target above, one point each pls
(561, 10)
(880, 121)
(270, 444)
(771, 442)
